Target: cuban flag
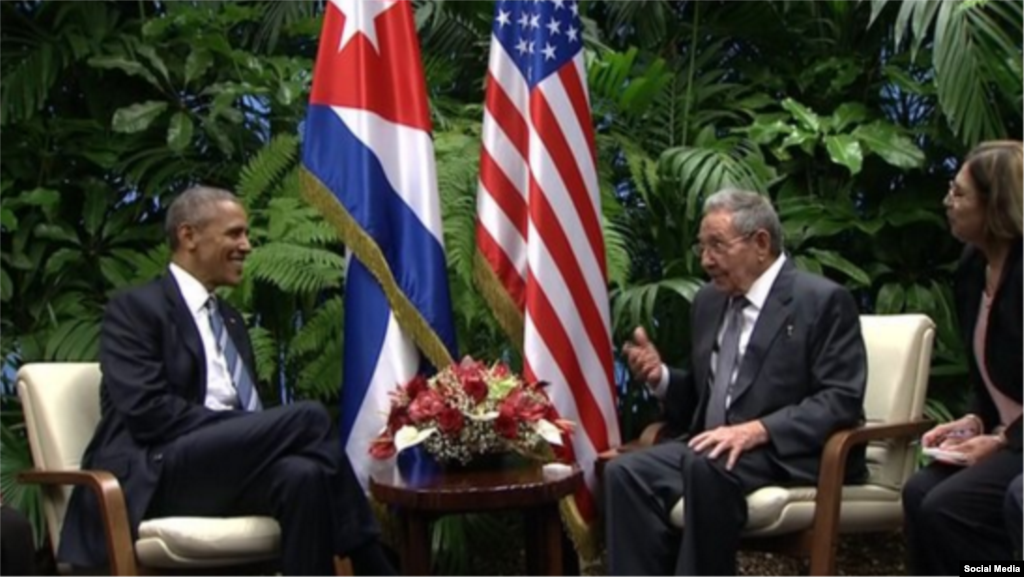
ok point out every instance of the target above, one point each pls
(368, 163)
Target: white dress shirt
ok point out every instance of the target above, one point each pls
(220, 391)
(756, 295)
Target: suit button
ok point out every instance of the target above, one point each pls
(158, 457)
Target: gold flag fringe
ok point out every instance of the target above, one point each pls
(503, 307)
(367, 251)
(584, 536)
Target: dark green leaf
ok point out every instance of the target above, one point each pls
(155, 60)
(807, 119)
(884, 140)
(179, 133)
(196, 64)
(56, 232)
(8, 220)
(833, 260)
(122, 63)
(890, 299)
(6, 286)
(137, 117)
(844, 149)
(848, 113)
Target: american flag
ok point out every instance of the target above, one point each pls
(541, 261)
(369, 166)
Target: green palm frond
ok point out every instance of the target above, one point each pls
(264, 349)
(74, 331)
(268, 166)
(977, 58)
(325, 324)
(617, 238)
(699, 172)
(318, 347)
(636, 305)
(33, 57)
(17, 458)
(296, 269)
(292, 220)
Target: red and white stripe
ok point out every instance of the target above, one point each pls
(539, 229)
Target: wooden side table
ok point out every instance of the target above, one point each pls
(527, 488)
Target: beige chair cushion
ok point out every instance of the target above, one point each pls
(778, 510)
(207, 541)
(899, 349)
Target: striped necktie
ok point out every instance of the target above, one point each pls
(728, 354)
(248, 397)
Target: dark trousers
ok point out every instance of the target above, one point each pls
(953, 514)
(283, 463)
(641, 488)
(1013, 507)
(17, 548)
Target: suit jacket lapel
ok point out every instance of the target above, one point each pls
(186, 328)
(775, 314)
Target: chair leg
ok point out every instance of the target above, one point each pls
(823, 555)
(343, 566)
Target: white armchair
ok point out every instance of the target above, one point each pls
(807, 520)
(61, 402)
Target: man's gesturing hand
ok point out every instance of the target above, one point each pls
(643, 359)
(732, 440)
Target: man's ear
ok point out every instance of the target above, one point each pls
(186, 236)
(763, 240)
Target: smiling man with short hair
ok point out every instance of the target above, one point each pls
(183, 428)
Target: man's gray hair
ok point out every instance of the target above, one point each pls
(750, 212)
(193, 207)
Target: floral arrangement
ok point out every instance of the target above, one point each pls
(471, 409)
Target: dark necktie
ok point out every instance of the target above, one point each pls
(248, 397)
(728, 352)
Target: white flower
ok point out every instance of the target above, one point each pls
(409, 436)
(488, 416)
(549, 432)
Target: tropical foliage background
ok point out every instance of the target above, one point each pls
(851, 115)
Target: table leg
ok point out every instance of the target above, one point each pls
(416, 560)
(543, 541)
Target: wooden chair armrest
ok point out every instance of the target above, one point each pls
(833, 473)
(652, 433)
(114, 513)
(648, 437)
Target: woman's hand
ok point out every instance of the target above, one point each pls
(978, 448)
(953, 433)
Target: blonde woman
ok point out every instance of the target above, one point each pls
(954, 507)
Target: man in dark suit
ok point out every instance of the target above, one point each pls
(182, 425)
(777, 364)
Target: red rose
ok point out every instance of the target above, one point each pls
(506, 424)
(450, 421)
(525, 406)
(414, 387)
(475, 387)
(426, 406)
(382, 448)
(398, 418)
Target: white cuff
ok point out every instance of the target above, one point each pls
(661, 387)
